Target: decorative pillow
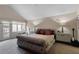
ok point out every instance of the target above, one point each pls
(48, 32)
(38, 31)
(41, 31)
(45, 31)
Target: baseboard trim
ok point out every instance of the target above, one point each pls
(69, 43)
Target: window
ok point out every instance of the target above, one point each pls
(18, 27)
(6, 29)
(23, 27)
(28, 31)
(14, 27)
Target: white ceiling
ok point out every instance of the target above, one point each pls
(35, 11)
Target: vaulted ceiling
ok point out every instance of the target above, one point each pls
(8, 13)
(36, 11)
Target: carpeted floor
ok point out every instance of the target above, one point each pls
(60, 48)
(10, 47)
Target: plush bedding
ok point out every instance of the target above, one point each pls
(38, 42)
(37, 39)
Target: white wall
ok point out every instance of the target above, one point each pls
(9, 14)
(48, 23)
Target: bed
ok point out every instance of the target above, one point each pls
(39, 43)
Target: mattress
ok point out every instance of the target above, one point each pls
(36, 42)
(37, 39)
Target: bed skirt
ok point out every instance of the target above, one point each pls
(34, 47)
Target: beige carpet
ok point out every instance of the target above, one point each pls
(60, 48)
(10, 47)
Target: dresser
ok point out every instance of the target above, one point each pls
(65, 37)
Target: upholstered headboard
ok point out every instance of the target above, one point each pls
(45, 31)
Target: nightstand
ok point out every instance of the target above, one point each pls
(64, 37)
